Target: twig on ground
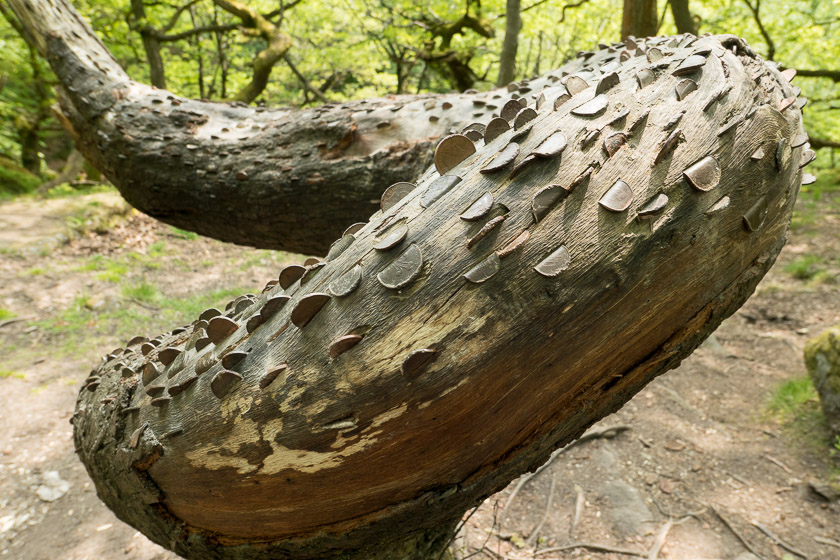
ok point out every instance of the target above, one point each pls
(457, 530)
(778, 464)
(532, 539)
(734, 531)
(829, 542)
(146, 305)
(579, 502)
(660, 540)
(15, 320)
(608, 433)
(595, 547)
(778, 540)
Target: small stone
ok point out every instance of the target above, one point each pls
(52, 487)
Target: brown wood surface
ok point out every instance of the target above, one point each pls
(340, 452)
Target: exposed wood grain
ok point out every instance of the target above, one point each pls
(338, 452)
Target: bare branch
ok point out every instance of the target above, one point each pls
(771, 46)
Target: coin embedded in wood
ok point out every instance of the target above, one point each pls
(417, 361)
(668, 146)
(575, 85)
(209, 314)
(308, 306)
(555, 263)
(223, 381)
(150, 373)
(607, 83)
(272, 374)
(395, 193)
(478, 208)
(783, 154)
(167, 355)
(484, 270)
(754, 217)
(788, 74)
(232, 358)
(495, 128)
(354, 229)
(290, 274)
(704, 175)
(614, 142)
(545, 199)
(451, 151)
(403, 270)
(438, 188)
(690, 65)
(654, 54)
(618, 197)
(523, 117)
(758, 154)
(347, 282)
(645, 77)
(561, 99)
(552, 146)
(503, 159)
(654, 205)
(344, 343)
(394, 238)
(271, 306)
(220, 328)
(510, 110)
(717, 206)
(339, 246)
(593, 107)
(684, 87)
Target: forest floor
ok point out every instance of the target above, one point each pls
(726, 453)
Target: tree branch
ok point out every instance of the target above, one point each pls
(771, 46)
(177, 15)
(818, 143)
(306, 84)
(833, 75)
(197, 31)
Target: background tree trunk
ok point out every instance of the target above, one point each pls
(682, 17)
(507, 60)
(151, 44)
(639, 18)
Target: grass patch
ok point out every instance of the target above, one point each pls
(144, 309)
(183, 234)
(65, 189)
(805, 267)
(5, 373)
(795, 404)
(5, 314)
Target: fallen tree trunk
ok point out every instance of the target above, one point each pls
(530, 284)
(272, 178)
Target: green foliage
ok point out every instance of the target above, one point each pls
(804, 267)
(791, 396)
(5, 314)
(14, 179)
(183, 234)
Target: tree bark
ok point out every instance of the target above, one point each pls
(682, 17)
(271, 178)
(639, 18)
(510, 45)
(475, 324)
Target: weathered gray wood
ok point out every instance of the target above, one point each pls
(459, 386)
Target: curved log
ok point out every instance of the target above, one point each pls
(358, 406)
(272, 178)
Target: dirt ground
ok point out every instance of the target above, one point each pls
(700, 465)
